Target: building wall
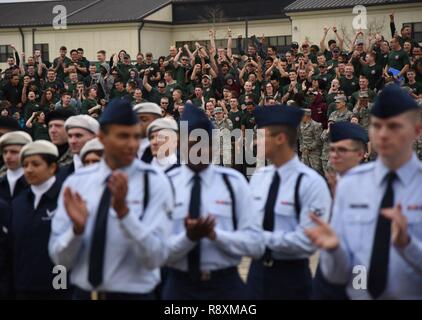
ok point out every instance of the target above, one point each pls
(164, 14)
(310, 25)
(89, 37)
(156, 38)
(10, 37)
(279, 27)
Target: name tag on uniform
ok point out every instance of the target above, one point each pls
(134, 202)
(414, 207)
(179, 204)
(223, 202)
(257, 198)
(359, 206)
(287, 203)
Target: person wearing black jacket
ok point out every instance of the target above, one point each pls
(33, 275)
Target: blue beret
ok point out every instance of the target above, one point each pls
(278, 115)
(119, 111)
(196, 118)
(392, 101)
(346, 130)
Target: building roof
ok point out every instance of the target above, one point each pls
(29, 14)
(311, 5)
(79, 12)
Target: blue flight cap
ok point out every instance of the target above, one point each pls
(119, 111)
(196, 118)
(346, 130)
(392, 101)
(278, 115)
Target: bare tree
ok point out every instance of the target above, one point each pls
(374, 26)
(214, 15)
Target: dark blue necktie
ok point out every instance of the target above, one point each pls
(96, 256)
(194, 212)
(269, 209)
(378, 270)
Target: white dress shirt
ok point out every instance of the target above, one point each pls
(12, 177)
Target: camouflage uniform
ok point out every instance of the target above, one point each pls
(66, 158)
(418, 148)
(325, 149)
(225, 155)
(363, 114)
(310, 141)
(338, 116)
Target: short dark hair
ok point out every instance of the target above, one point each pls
(79, 49)
(290, 132)
(360, 145)
(49, 159)
(169, 73)
(273, 48)
(101, 51)
(132, 84)
(73, 50)
(104, 128)
(63, 48)
(404, 27)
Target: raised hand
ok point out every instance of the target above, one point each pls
(76, 209)
(399, 235)
(118, 185)
(323, 236)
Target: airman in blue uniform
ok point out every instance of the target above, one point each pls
(213, 224)
(374, 243)
(284, 194)
(112, 222)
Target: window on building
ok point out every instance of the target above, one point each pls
(416, 30)
(6, 52)
(43, 47)
(281, 42)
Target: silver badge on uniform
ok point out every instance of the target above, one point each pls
(49, 216)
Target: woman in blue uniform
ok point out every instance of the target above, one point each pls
(32, 212)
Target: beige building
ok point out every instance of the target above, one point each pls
(136, 25)
(154, 25)
(309, 18)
